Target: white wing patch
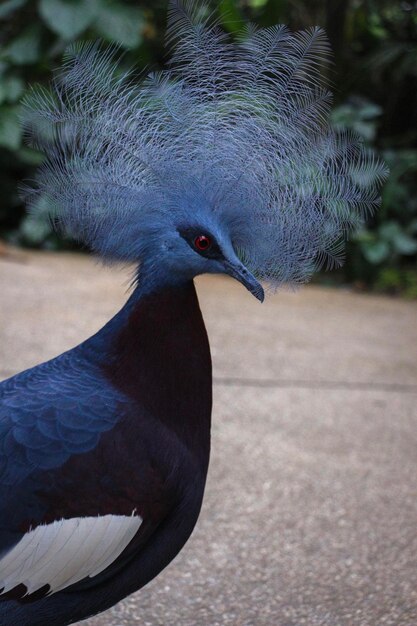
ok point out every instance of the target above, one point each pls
(66, 551)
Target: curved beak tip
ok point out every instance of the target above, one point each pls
(254, 287)
(240, 273)
(260, 294)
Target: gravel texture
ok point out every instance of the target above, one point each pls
(310, 513)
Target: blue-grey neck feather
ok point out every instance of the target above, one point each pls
(235, 132)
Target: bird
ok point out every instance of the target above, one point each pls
(224, 162)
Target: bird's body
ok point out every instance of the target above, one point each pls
(224, 163)
(120, 426)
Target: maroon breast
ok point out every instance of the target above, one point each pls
(157, 357)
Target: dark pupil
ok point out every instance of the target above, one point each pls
(202, 242)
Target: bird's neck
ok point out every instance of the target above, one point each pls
(157, 354)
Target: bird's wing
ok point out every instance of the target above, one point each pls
(66, 551)
(76, 492)
(51, 412)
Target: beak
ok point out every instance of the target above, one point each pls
(239, 271)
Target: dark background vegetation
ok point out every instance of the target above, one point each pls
(375, 85)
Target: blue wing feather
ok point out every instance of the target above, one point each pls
(48, 414)
(51, 411)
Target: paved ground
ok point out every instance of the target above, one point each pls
(310, 514)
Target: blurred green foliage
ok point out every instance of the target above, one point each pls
(374, 80)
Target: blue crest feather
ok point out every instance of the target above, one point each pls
(237, 129)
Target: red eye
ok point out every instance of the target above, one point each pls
(202, 243)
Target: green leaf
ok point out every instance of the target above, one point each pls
(36, 227)
(11, 88)
(404, 244)
(366, 130)
(10, 128)
(389, 230)
(363, 235)
(121, 24)
(35, 230)
(370, 110)
(358, 115)
(9, 7)
(30, 156)
(68, 18)
(24, 50)
(375, 252)
(230, 16)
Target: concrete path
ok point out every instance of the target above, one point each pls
(310, 514)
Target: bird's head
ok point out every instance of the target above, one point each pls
(192, 249)
(223, 163)
(182, 235)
